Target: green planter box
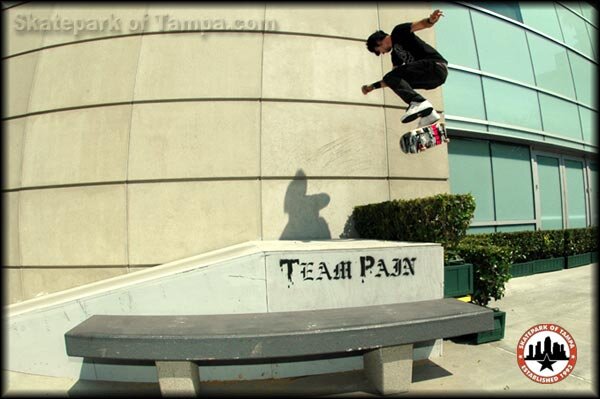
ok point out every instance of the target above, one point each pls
(579, 260)
(521, 269)
(458, 280)
(537, 266)
(548, 265)
(595, 257)
(497, 333)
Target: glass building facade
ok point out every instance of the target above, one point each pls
(521, 108)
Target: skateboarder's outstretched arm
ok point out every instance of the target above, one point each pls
(426, 22)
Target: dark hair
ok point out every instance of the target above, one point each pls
(374, 39)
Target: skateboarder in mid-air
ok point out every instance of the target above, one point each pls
(417, 65)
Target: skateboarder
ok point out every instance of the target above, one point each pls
(417, 65)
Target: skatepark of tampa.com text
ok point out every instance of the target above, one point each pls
(24, 23)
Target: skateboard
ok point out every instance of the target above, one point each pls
(422, 138)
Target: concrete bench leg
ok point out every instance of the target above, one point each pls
(178, 378)
(389, 370)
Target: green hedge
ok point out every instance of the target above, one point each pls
(524, 245)
(493, 254)
(527, 246)
(580, 241)
(491, 270)
(443, 218)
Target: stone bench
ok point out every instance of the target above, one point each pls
(384, 334)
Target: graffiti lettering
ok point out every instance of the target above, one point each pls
(369, 267)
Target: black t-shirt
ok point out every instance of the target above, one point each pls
(408, 47)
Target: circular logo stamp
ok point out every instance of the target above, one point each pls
(546, 353)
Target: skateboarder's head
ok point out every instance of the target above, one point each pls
(379, 43)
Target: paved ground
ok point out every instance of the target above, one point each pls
(564, 297)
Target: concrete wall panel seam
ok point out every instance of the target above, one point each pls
(129, 152)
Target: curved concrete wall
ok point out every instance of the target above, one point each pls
(128, 150)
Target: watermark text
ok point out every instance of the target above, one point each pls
(156, 23)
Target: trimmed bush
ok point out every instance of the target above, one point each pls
(524, 245)
(528, 246)
(580, 241)
(491, 270)
(443, 218)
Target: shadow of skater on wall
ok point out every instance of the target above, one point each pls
(304, 222)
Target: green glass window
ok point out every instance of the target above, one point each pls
(481, 230)
(513, 185)
(542, 16)
(574, 30)
(560, 116)
(500, 178)
(471, 172)
(511, 104)
(593, 34)
(588, 11)
(502, 48)
(460, 86)
(575, 194)
(585, 74)
(455, 29)
(551, 65)
(509, 9)
(550, 189)
(589, 125)
(512, 228)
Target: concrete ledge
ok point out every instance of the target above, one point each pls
(200, 261)
(275, 334)
(249, 278)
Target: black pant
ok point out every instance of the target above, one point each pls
(421, 74)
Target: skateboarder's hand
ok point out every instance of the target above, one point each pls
(366, 89)
(435, 16)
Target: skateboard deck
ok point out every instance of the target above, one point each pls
(422, 138)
